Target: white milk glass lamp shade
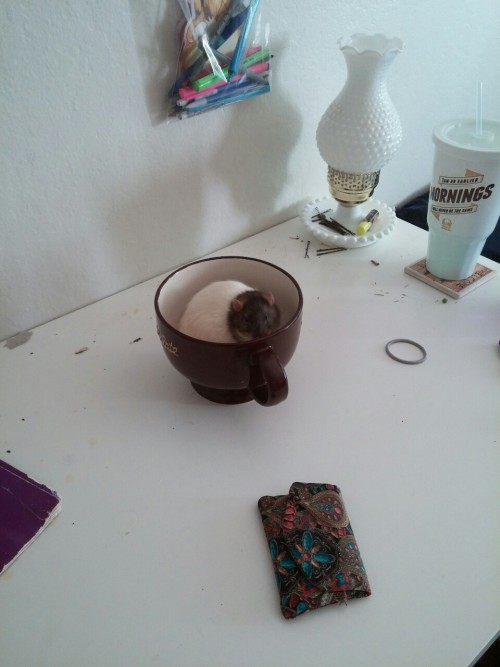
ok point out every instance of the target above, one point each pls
(360, 130)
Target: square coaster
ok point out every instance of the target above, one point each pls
(454, 288)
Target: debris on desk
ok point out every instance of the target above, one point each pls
(328, 251)
(375, 263)
(81, 350)
(136, 340)
(319, 251)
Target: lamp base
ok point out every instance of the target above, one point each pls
(349, 216)
(332, 210)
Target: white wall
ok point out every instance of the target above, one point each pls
(97, 195)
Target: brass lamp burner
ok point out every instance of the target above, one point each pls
(351, 189)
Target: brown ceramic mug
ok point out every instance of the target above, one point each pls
(231, 372)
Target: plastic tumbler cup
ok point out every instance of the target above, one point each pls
(464, 201)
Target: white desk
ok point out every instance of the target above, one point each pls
(159, 556)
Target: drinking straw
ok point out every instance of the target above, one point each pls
(479, 109)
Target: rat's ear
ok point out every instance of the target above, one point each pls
(269, 298)
(236, 305)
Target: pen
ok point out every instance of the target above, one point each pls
(365, 225)
(230, 29)
(239, 90)
(260, 90)
(220, 36)
(186, 100)
(255, 76)
(218, 94)
(242, 39)
(218, 102)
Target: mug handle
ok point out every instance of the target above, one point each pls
(268, 384)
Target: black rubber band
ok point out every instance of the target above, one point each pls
(410, 342)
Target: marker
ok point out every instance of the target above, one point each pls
(210, 79)
(365, 225)
(218, 102)
(224, 59)
(227, 91)
(185, 101)
(242, 39)
(239, 92)
(188, 93)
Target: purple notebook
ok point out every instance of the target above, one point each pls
(26, 508)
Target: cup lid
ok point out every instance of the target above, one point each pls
(462, 135)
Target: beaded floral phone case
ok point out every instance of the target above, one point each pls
(314, 552)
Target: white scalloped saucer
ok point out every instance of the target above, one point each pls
(383, 226)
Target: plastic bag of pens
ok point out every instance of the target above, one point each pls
(223, 56)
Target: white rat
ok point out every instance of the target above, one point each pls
(228, 311)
